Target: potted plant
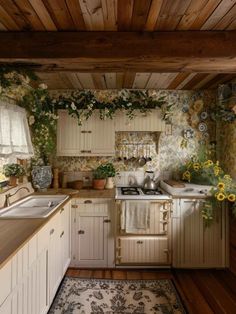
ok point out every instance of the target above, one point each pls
(111, 172)
(99, 178)
(13, 171)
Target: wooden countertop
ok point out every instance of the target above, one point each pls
(14, 233)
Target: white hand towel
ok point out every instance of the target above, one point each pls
(136, 216)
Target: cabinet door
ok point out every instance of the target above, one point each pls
(193, 244)
(42, 283)
(54, 256)
(93, 138)
(143, 250)
(151, 122)
(68, 135)
(91, 241)
(65, 237)
(103, 135)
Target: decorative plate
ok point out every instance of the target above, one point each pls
(203, 115)
(202, 127)
(205, 135)
(188, 133)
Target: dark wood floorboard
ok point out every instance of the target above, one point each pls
(201, 291)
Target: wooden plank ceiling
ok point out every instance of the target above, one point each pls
(122, 15)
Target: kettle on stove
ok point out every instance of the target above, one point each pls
(149, 183)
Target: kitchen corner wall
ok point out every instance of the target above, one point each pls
(169, 155)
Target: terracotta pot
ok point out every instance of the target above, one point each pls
(13, 181)
(99, 184)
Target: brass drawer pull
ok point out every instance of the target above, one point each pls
(87, 202)
(84, 132)
(62, 234)
(139, 242)
(86, 151)
(62, 210)
(81, 232)
(74, 206)
(107, 220)
(52, 231)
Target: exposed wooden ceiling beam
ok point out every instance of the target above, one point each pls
(198, 51)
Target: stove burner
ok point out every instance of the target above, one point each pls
(129, 191)
(151, 192)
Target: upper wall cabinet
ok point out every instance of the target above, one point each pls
(151, 122)
(95, 137)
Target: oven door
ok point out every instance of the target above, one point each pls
(158, 217)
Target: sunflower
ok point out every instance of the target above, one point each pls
(186, 176)
(221, 185)
(196, 166)
(220, 196)
(231, 197)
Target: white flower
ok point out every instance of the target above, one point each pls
(31, 120)
(43, 86)
(73, 106)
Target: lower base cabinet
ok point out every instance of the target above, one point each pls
(29, 281)
(194, 244)
(92, 233)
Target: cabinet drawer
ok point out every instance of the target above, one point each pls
(143, 250)
(5, 281)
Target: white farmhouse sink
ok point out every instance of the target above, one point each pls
(35, 206)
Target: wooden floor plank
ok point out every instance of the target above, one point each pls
(119, 274)
(215, 293)
(136, 275)
(107, 274)
(194, 301)
(98, 274)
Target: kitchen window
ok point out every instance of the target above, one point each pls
(15, 140)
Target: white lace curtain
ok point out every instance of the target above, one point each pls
(15, 137)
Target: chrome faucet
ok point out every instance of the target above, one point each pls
(7, 196)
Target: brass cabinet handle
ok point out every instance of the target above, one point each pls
(81, 232)
(86, 151)
(74, 206)
(84, 131)
(107, 220)
(139, 242)
(62, 234)
(52, 231)
(87, 202)
(62, 210)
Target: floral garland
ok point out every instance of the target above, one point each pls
(80, 104)
(42, 117)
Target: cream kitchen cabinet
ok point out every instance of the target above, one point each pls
(92, 233)
(194, 245)
(30, 279)
(150, 122)
(95, 137)
(59, 248)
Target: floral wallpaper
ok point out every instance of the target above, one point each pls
(190, 128)
(227, 131)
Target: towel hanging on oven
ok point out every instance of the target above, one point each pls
(135, 216)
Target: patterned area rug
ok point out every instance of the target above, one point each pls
(98, 296)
